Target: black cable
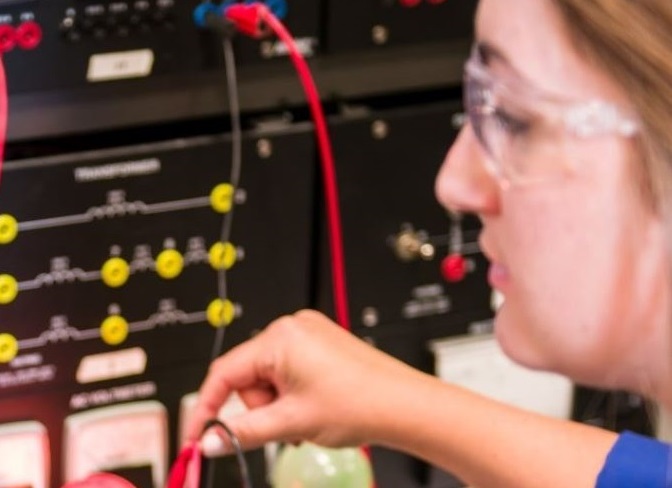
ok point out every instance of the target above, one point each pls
(237, 447)
(225, 234)
(236, 164)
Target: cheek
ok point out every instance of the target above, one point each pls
(568, 265)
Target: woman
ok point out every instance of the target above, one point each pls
(567, 159)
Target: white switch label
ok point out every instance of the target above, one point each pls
(122, 65)
(111, 365)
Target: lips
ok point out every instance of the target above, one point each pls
(498, 274)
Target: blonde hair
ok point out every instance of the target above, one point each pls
(632, 41)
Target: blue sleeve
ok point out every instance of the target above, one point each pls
(637, 461)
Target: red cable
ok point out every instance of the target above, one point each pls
(186, 471)
(4, 110)
(249, 15)
(248, 18)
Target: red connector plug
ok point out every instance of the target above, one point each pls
(249, 18)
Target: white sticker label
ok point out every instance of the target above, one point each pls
(117, 66)
(110, 365)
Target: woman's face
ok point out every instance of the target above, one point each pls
(578, 253)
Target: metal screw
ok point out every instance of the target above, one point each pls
(380, 35)
(240, 196)
(380, 129)
(264, 148)
(370, 317)
(427, 252)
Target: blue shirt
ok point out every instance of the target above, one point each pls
(636, 461)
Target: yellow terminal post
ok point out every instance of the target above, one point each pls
(169, 264)
(221, 198)
(9, 288)
(220, 313)
(222, 255)
(9, 228)
(114, 330)
(9, 348)
(115, 272)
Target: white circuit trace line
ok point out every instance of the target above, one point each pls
(115, 210)
(78, 274)
(466, 248)
(59, 277)
(69, 333)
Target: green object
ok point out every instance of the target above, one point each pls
(312, 466)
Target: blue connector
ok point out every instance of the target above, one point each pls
(202, 11)
(211, 16)
(205, 9)
(278, 7)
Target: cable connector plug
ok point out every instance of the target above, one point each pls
(249, 18)
(209, 16)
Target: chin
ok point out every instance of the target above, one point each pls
(515, 342)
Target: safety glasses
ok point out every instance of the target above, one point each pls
(527, 134)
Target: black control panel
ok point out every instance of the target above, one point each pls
(377, 24)
(84, 43)
(142, 62)
(132, 62)
(100, 21)
(110, 296)
(399, 243)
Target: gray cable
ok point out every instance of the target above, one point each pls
(236, 164)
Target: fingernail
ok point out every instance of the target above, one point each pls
(213, 445)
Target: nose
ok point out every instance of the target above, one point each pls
(463, 184)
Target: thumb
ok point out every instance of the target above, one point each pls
(251, 429)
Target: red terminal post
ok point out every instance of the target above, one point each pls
(29, 35)
(454, 268)
(7, 38)
(248, 18)
(409, 3)
(436, 2)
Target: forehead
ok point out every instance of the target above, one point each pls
(535, 43)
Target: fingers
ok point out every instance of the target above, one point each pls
(262, 370)
(254, 428)
(237, 370)
(258, 396)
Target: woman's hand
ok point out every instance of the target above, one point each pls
(303, 378)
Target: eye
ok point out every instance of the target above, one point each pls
(510, 123)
